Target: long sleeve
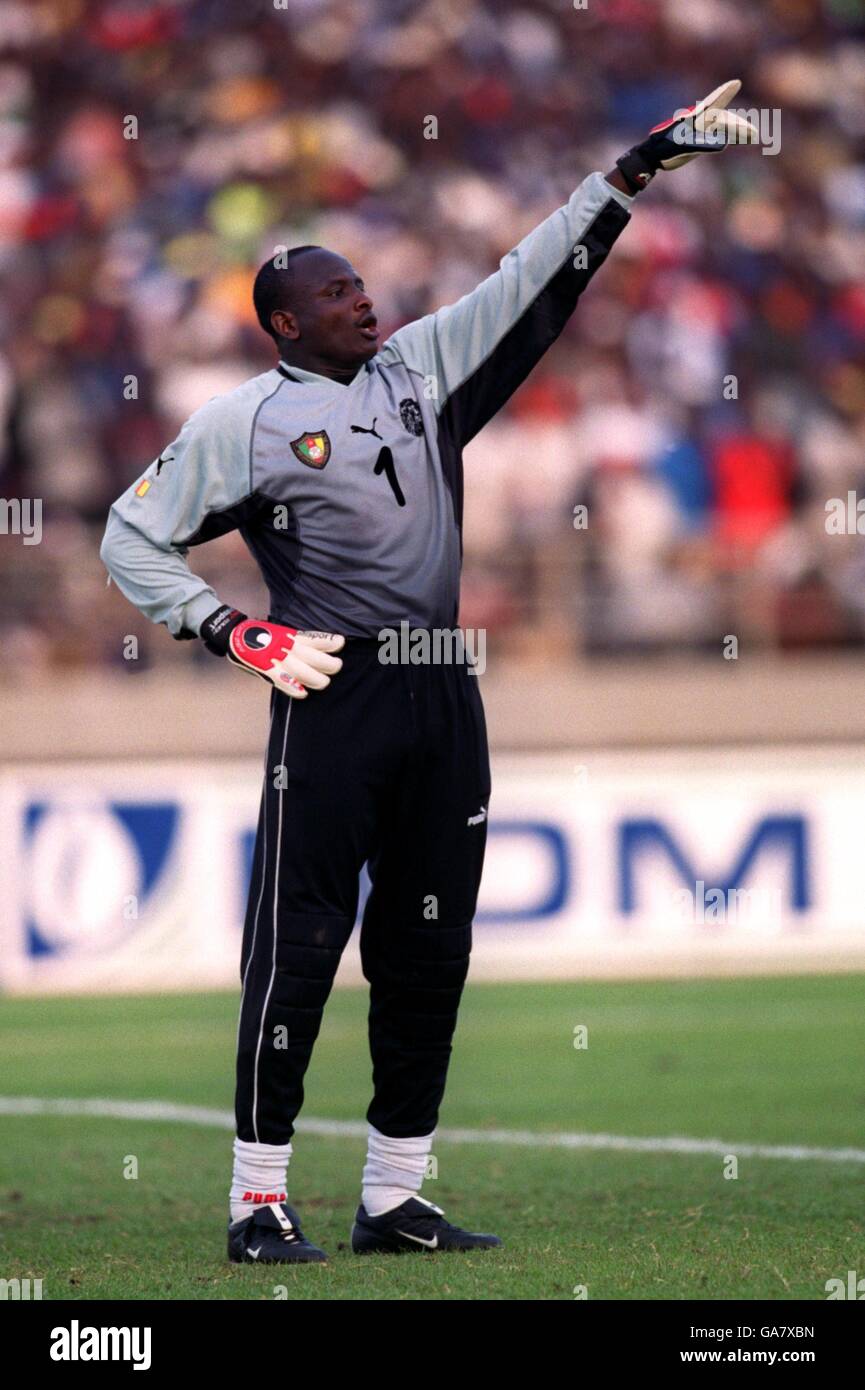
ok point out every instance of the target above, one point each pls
(198, 488)
(159, 582)
(479, 350)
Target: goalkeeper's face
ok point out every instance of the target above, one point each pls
(331, 321)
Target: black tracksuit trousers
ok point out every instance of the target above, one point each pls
(389, 765)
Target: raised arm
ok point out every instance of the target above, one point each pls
(475, 353)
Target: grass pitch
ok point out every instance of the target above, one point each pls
(769, 1061)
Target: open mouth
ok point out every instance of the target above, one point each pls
(369, 330)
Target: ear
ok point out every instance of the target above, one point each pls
(284, 323)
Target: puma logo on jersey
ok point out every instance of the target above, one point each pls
(479, 818)
(361, 429)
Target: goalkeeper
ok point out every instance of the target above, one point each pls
(342, 469)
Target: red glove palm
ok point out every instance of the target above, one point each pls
(293, 661)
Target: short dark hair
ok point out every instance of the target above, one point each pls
(274, 284)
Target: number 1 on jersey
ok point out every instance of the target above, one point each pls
(384, 464)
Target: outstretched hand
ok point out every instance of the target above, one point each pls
(704, 128)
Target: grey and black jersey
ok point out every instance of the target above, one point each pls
(350, 496)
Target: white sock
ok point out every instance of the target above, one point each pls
(259, 1176)
(394, 1170)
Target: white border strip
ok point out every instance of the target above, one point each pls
(159, 1110)
(277, 869)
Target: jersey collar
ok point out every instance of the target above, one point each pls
(315, 378)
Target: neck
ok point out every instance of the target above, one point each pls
(328, 369)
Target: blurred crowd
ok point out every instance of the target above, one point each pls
(659, 483)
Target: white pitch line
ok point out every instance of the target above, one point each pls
(357, 1129)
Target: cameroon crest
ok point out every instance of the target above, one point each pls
(312, 448)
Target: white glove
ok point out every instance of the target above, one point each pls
(701, 129)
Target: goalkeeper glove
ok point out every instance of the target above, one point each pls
(699, 130)
(288, 659)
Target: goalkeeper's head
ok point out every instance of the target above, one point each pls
(314, 305)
